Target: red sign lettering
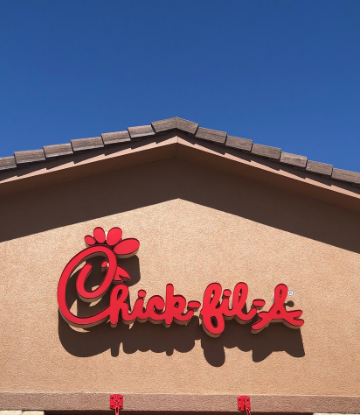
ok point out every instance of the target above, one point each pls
(218, 305)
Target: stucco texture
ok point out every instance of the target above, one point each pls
(196, 226)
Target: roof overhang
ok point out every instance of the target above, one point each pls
(179, 144)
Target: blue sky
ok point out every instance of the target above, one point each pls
(281, 72)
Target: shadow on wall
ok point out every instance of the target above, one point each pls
(152, 183)
(159, 339)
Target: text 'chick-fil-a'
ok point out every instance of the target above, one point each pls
(217, 305)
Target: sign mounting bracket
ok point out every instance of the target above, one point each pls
(116, 402)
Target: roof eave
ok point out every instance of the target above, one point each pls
(176, 143)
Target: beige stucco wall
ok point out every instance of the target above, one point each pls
(196, 226)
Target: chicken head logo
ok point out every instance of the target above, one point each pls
(111, 247)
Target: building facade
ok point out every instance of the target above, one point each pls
(209, 211)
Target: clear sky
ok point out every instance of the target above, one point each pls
(284, 73)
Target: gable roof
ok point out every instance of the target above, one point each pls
(27, 171)
(24, 158)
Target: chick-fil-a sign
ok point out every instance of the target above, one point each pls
(217, 305)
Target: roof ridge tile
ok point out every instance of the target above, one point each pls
(214, 136)
(82, 144)
(243, 144)
(293, 160)
(29, 156)
(270, 152)
(141, 131)
(319, 168)
(57, 150)
(7, 163)
(115, 137)
(178, 123)
(346, 176)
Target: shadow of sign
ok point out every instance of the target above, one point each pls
(159, 339)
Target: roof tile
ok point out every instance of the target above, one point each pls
(211, 135)
(266, 151)
(116, 137)
(293, 159)
(141, 131)
(346, 176)
(7, 163)
(239, 143)
(57, 150)
(81, 144)
(319, 168)
(30, 156)
(175, 123)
